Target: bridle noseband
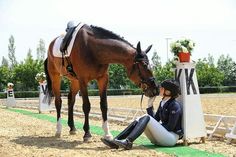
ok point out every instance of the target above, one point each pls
(144, 83)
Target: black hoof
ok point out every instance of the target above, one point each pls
(73, 131)
(87, 137)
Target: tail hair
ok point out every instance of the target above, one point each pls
(49, 94)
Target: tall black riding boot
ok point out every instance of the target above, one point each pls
(134, 134)
(124, 134)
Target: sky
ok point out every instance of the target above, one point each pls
(211, 24)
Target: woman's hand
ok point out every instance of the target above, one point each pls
(150, 101)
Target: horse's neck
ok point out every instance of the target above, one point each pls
(116, 52)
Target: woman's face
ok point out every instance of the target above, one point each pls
(164, 92)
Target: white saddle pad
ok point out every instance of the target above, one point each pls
(56, 47)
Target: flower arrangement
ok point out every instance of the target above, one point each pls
(40, 77)
(182, 45)
(10, 85)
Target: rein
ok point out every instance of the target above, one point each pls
(141, 102)
(143, 81)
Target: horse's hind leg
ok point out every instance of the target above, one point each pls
(74, 88)
(102, 85)
(56, 84)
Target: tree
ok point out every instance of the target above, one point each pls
(41, 50)
(11, 51)
(156, 60)
(25, 72)
(118, 78)
(4, 62)
(5, 77)
(162, 73)
(208, 74)
(227, 66)
(29, 57)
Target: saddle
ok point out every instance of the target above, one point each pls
(63, 48)
(66, 40)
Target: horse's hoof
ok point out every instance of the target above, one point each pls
(108, 137)
(87, 137)
(58, 135)
(73, 132)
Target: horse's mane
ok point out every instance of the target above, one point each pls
(103, 33)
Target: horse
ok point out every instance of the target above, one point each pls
(93, 50)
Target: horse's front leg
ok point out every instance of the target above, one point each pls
(86, 109)
(102, 85)
(74, 88)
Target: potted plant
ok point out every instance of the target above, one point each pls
(10, 85)
(182, 49)
(40, 77)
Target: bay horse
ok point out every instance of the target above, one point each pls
(93, 50)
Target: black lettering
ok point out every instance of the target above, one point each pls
(177, 76)
(44, 89)
(10, 93)
(189, 81)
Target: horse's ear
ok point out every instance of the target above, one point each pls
(139, 47)
(148, 49)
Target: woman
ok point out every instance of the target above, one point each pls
(163, 128)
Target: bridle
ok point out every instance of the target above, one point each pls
(144, 82)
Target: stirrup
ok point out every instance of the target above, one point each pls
(70, 70)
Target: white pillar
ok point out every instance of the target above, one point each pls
(43, 106)
(193, 118)
(11, 102)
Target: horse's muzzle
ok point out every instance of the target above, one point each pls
(151, 91)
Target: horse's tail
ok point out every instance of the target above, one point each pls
(48, 94)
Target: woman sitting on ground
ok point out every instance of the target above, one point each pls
(163, 128)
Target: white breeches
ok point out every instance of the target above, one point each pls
(158, 135)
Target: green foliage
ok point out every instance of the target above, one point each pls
(25, 72)
(156, 60)
(11, 51)
(208, 74)
(5, 77)
(228, 67)
(26, 94)
(41, 50)
(162, 73)
(3, 95)
(135, 91)
(118, 77)
(5, 62)
(217, 89)
(65, 84)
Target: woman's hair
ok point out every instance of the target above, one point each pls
(172, 86)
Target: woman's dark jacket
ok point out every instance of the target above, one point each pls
(170, 116)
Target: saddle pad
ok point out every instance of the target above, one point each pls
(56, 47)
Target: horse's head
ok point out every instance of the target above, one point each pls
(141, 72)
